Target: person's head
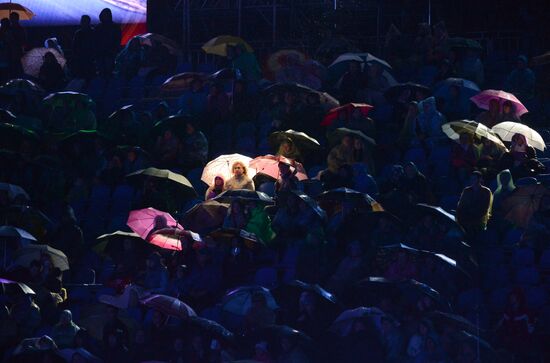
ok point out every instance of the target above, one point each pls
(428, 105)
(239, 169)
(355, 67)
(505, 180)
(216, 89)
(218, 182)
(307, 301)
(14, 18)
(347, 141)
(106, 16)
(131, 155)
(476, 179)
(160, 222)
(521, 62)
(287, 145)
(519, 140)
(85, 21)
(507, 107)
(494, 106)
(424, 327)
(284, 169)
(290, 98)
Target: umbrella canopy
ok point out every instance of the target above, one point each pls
(483, 99)
(17, 286)
(454, 129)
(394, 92)
(348, 109)
(210, 328)
(7, 116)
(269, 165)
(302, 140)
(310, 202)
(7, 8)
(145, 221)
(230, 234)
(169, 305)
(34, 58)
(27, 218)
(221, 166)
(524, 201)
(349, 195)
(24, 256)
(181, 82)
(105, 245)
(316, 289)
(239, 300)
(225, 74)
(171, 238)
(67, 97)
(166, 175)
(11, 136)
(14, 232)
(275, 333)
(337, 135)
(467, 88)
(282, 87)
(506, 130)
(344, 322)
(14, 191)
(243, 194)
(15, 86)
(218, 45)
(205, 217)
(284, 58)
(359, 57)
(423, 208)
(542, 59)
(150, 39)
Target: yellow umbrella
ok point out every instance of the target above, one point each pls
(218, 45)
(7, 8)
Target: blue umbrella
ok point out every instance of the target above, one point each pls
(467, 88)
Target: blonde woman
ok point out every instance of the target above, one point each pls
(240, 179)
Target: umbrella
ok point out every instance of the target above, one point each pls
(210, 328)
(106, 239)
(484, 98)
(467, 88)
(27, 218)
(218, 45)
(345, 58)
(25, 255)
(316, 289)
(395, 91)
(14, 232)
(14, 191)
(181, 82)
(349, 108)
(7, 8)
(506, 130)
(243, 194)
(13, 135)
(19, 286)
(205, 216)
(221, 166)
(6, 116)
(422, 208)
(166, 175)
(239, 300)
(337, 135)
(282, 87)
(454, 129)
(453, 320)
(169, 305)
(16, 86)
(230, 234)
(149, 39)
(145, 221)
(61, 98)
(175, 123)
(542, 59)
(94, 317)
(269, 165)
(524, 201)
(88, 357)
(344, 322)
(311, 203)
(349, 195)
(277, 332)
(34, 58)
(464, 43)
(225, 74)
(171, 238)
(300, 139)
(118, 234)
(282, 58)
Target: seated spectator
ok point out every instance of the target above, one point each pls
(240, 179)
(216, 189)
(65, 331)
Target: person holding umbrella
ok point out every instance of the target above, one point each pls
(492, 116)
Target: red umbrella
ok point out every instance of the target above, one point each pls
(348, 108)
(269, 165)
(483, 99)
(144, 221)
(169, 305)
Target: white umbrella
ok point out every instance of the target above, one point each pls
(33, 59)
(506, 130)
(221, 166)
(453, 130)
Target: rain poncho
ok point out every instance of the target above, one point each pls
(505, 186)
(260, 225)
(63, 334)
(247, 63)
(430, 119)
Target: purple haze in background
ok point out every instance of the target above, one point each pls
(68, 12)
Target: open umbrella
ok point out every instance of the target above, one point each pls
(150, 39)
(274, 334)
(243, 194)
(14, 191)
(205, 217)
(25, 255)
(337, 135)
(145, 221)
(506, 130)
(467, 88)
(166, 175)
(221, 166)
(7, 8)
(11, 136)
(169, 305)
(172, 238)
(395, 91)
(281, 87)
(454, 129)
(281, 58)
(238, 301)
(302, 140)
(210, 328)
(176, 123)
(310, 202)
(542, 59)
(8, 285)
(359, 57)
(69, 97)
(218, 45)
(107, 242)
(32, 60)
(225, 74)
(269, 165)
(6, 116)
(484, 98)
(19, 85)
(181, 82)
(230, 234)
(316, 289)
(348, 195)
(453, 320)
(344, 322)
(27, 218)
(524, 201)
(348, 109)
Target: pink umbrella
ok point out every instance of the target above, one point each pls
(171, 238)
(145, 221)
(483, 99)
(269, 165)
